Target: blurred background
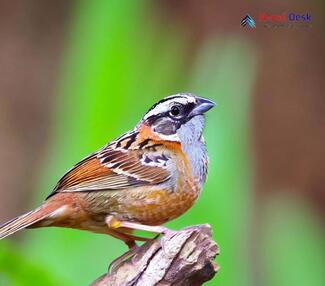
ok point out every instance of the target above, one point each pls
(76, 74)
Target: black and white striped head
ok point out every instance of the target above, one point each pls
(167, 117)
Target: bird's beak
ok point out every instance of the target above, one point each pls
(202, 105)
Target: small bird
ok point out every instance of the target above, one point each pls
(144, 178)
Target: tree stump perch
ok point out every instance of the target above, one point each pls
(178, 258)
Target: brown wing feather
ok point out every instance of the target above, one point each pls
(88, 170)
(130, 164)
(111, 169)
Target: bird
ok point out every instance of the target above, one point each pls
(148, 176)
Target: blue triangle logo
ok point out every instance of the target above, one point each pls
(248, 21)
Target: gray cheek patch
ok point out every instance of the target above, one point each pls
(165, 126)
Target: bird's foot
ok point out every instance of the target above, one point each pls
(115, 264)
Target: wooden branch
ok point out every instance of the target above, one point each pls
(178, 258)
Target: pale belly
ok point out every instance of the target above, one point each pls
(146, 205)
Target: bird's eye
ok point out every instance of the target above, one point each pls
(175, 110)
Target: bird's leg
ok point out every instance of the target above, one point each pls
(127, 255)
(150, 228)
(114, 223)
(129, 239)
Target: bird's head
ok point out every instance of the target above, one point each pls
(176, 116)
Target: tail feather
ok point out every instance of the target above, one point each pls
(22, 222)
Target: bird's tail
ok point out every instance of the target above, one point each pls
(23, 221)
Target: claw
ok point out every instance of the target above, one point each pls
(115, 264)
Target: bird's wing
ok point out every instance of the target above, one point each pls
(113, 169)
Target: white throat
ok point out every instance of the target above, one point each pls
(192, 141)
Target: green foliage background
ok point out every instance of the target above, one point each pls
(119, 61)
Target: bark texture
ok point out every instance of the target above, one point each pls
(184, 257)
